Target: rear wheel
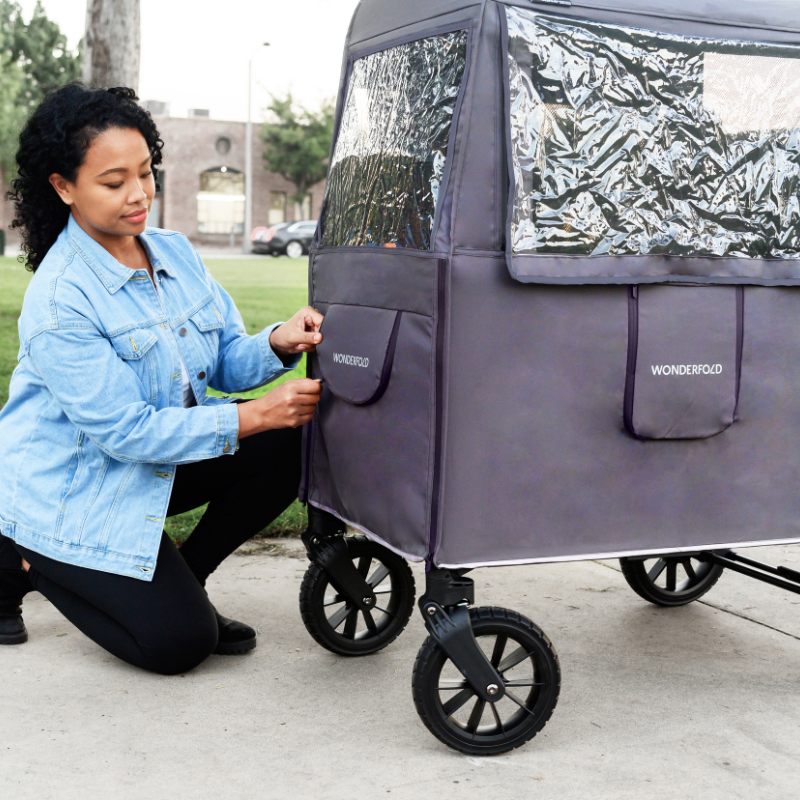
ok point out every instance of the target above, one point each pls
(531, 675)
(670, 580)
(337, 624)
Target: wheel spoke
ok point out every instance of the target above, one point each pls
(452, 684)
(475, 717)
(339, 617)
(364, 563)
(382, 591)
(456, 702)
(687, 565)
(511, 660)
(497, 717)
(499, 646)
(379, 576)
(350, 625)
(672, 575)
(388, 613)
(657, 569)
(518, 702)
(521, 683)
(335, 600)
(373, 628)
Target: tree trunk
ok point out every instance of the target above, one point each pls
(111, 45)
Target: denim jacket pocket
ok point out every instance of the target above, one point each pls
(136, 348)
(207, 318)
(134, 344)
(209, 323)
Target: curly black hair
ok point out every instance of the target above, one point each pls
(55, 140)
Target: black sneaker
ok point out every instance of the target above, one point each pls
(234, 637)
(13, 631)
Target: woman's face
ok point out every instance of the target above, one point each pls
(114, 187)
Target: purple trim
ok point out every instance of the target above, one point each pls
(614, 554)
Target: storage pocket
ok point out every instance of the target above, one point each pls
(684, 360)
(357, 351)
(370, 450)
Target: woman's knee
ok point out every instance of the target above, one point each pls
(177, 651)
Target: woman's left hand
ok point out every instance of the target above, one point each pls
(299, 335)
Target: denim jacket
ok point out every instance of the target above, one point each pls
(95, 425)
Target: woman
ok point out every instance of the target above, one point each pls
(108, 429)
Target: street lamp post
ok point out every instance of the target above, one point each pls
(247, 245)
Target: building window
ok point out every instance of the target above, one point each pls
(277, 208)
(220, 201)
(223, 145)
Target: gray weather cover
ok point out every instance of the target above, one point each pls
(627, 142)
(389, 158)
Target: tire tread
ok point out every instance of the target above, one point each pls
(429, 651)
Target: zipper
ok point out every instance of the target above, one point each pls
(439, 412)
(739, 345)
(633, 346)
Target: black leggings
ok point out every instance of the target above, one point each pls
(167, 625)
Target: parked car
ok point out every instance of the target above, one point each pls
(287, 238)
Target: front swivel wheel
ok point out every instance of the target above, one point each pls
(528, 666)
(338, 624)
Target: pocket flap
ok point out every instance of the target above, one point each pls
(208, 318)
(133, 344)
(684, 356)
(357, 350)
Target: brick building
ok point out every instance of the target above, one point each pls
(202, 177)
(203, 182)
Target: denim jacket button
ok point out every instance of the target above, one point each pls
(201, 375)
(182, 331)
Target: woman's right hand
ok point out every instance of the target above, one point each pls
(287, 406)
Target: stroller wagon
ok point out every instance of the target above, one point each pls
(558, 259)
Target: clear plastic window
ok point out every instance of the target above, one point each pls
(389, 160)
(625, 141)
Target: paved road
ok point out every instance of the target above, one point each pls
(696, 703)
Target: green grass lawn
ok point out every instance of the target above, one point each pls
(265, 290)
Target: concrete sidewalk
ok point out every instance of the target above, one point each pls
(700, 702)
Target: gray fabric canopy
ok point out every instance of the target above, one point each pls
(559, 257)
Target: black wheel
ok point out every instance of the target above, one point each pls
(338, 625)
(670, 580)
(526, 661)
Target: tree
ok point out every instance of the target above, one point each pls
(113, 35)
(34, 60)
(12, 115)
(297, 143)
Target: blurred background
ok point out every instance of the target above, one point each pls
(202, 70)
